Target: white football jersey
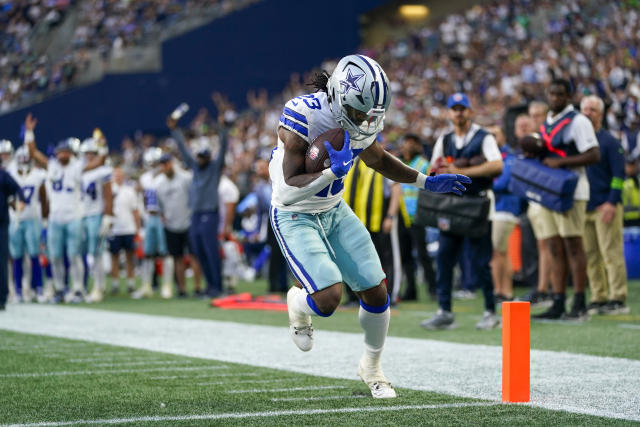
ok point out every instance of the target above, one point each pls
(30, 184)
(308, 116)
(148, 182)
(92, 189)
(64, 188)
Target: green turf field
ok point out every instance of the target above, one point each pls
(55, 381)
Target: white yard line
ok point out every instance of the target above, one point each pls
(275, 380)
(629, 326)
(277, 390)
(173, 377)
(602, 386)
(313, 399)
(240, 415)
(109, 371)
(142, 363)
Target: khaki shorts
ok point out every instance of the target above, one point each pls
(533, 213)
(565, 224)
(500, 232)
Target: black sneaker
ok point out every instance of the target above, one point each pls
(595, 307)
(537, 299)
(615, 307)
(199, 294)
(182, 294)
(555, 312)
(499, 298)
(577, 312)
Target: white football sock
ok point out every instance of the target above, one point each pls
(147, 271)
(98, 274)
(76, 271)
(57, 271)
(375, 326)
(167, 270)
(300, 304)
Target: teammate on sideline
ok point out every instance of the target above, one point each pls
(98, 215)
(155, 243)
(322, 239)
(64, 182)
(26, 226)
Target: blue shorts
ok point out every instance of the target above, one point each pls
(121, 243)
(24, 237)
(64, 235)
(91, 229)
(155, 242)
(327, 248)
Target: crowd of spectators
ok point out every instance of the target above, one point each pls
(104, 26)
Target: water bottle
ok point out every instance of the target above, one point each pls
(180, 111)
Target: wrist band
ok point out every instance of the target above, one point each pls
(28, 136)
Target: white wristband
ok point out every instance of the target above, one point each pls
(420, 180)
(29, 136)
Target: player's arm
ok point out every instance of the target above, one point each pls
(589, 157)
(391, 167)
(107, 195)
(29, 139)
(44, 202)
(177, 134)
(229, 216)
(300, 185)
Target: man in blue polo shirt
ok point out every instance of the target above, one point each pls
(603, 243)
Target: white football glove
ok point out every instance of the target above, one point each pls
(105, 225)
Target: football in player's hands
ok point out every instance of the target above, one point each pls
(317, 158)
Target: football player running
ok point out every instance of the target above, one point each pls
(98, 215)
(323, 241)
(26, 226)
(64, 187)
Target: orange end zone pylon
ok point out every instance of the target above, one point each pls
(516, 348)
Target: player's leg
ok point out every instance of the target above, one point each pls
(359, 264)
(55, 246)
(114, 250)
(129, 248)
(76, 266)
(150, 249)
(94, 249)
(310, 262)
(16, 250)
(34, 230)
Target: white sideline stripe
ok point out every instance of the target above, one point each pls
(236, 415)
(593, 385)
(274, 390)
(95, 356)
(101, 358)
(628, 326)
(173, 377)
(157, 362)
(278, 380)
(311, 399)
(109, 371)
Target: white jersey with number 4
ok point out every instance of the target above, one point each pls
(64, 187)
(30, 184)
(93, 189)
(308, 116)
(149, 184)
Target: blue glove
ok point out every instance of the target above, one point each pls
(447, 183)
(342, 160)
